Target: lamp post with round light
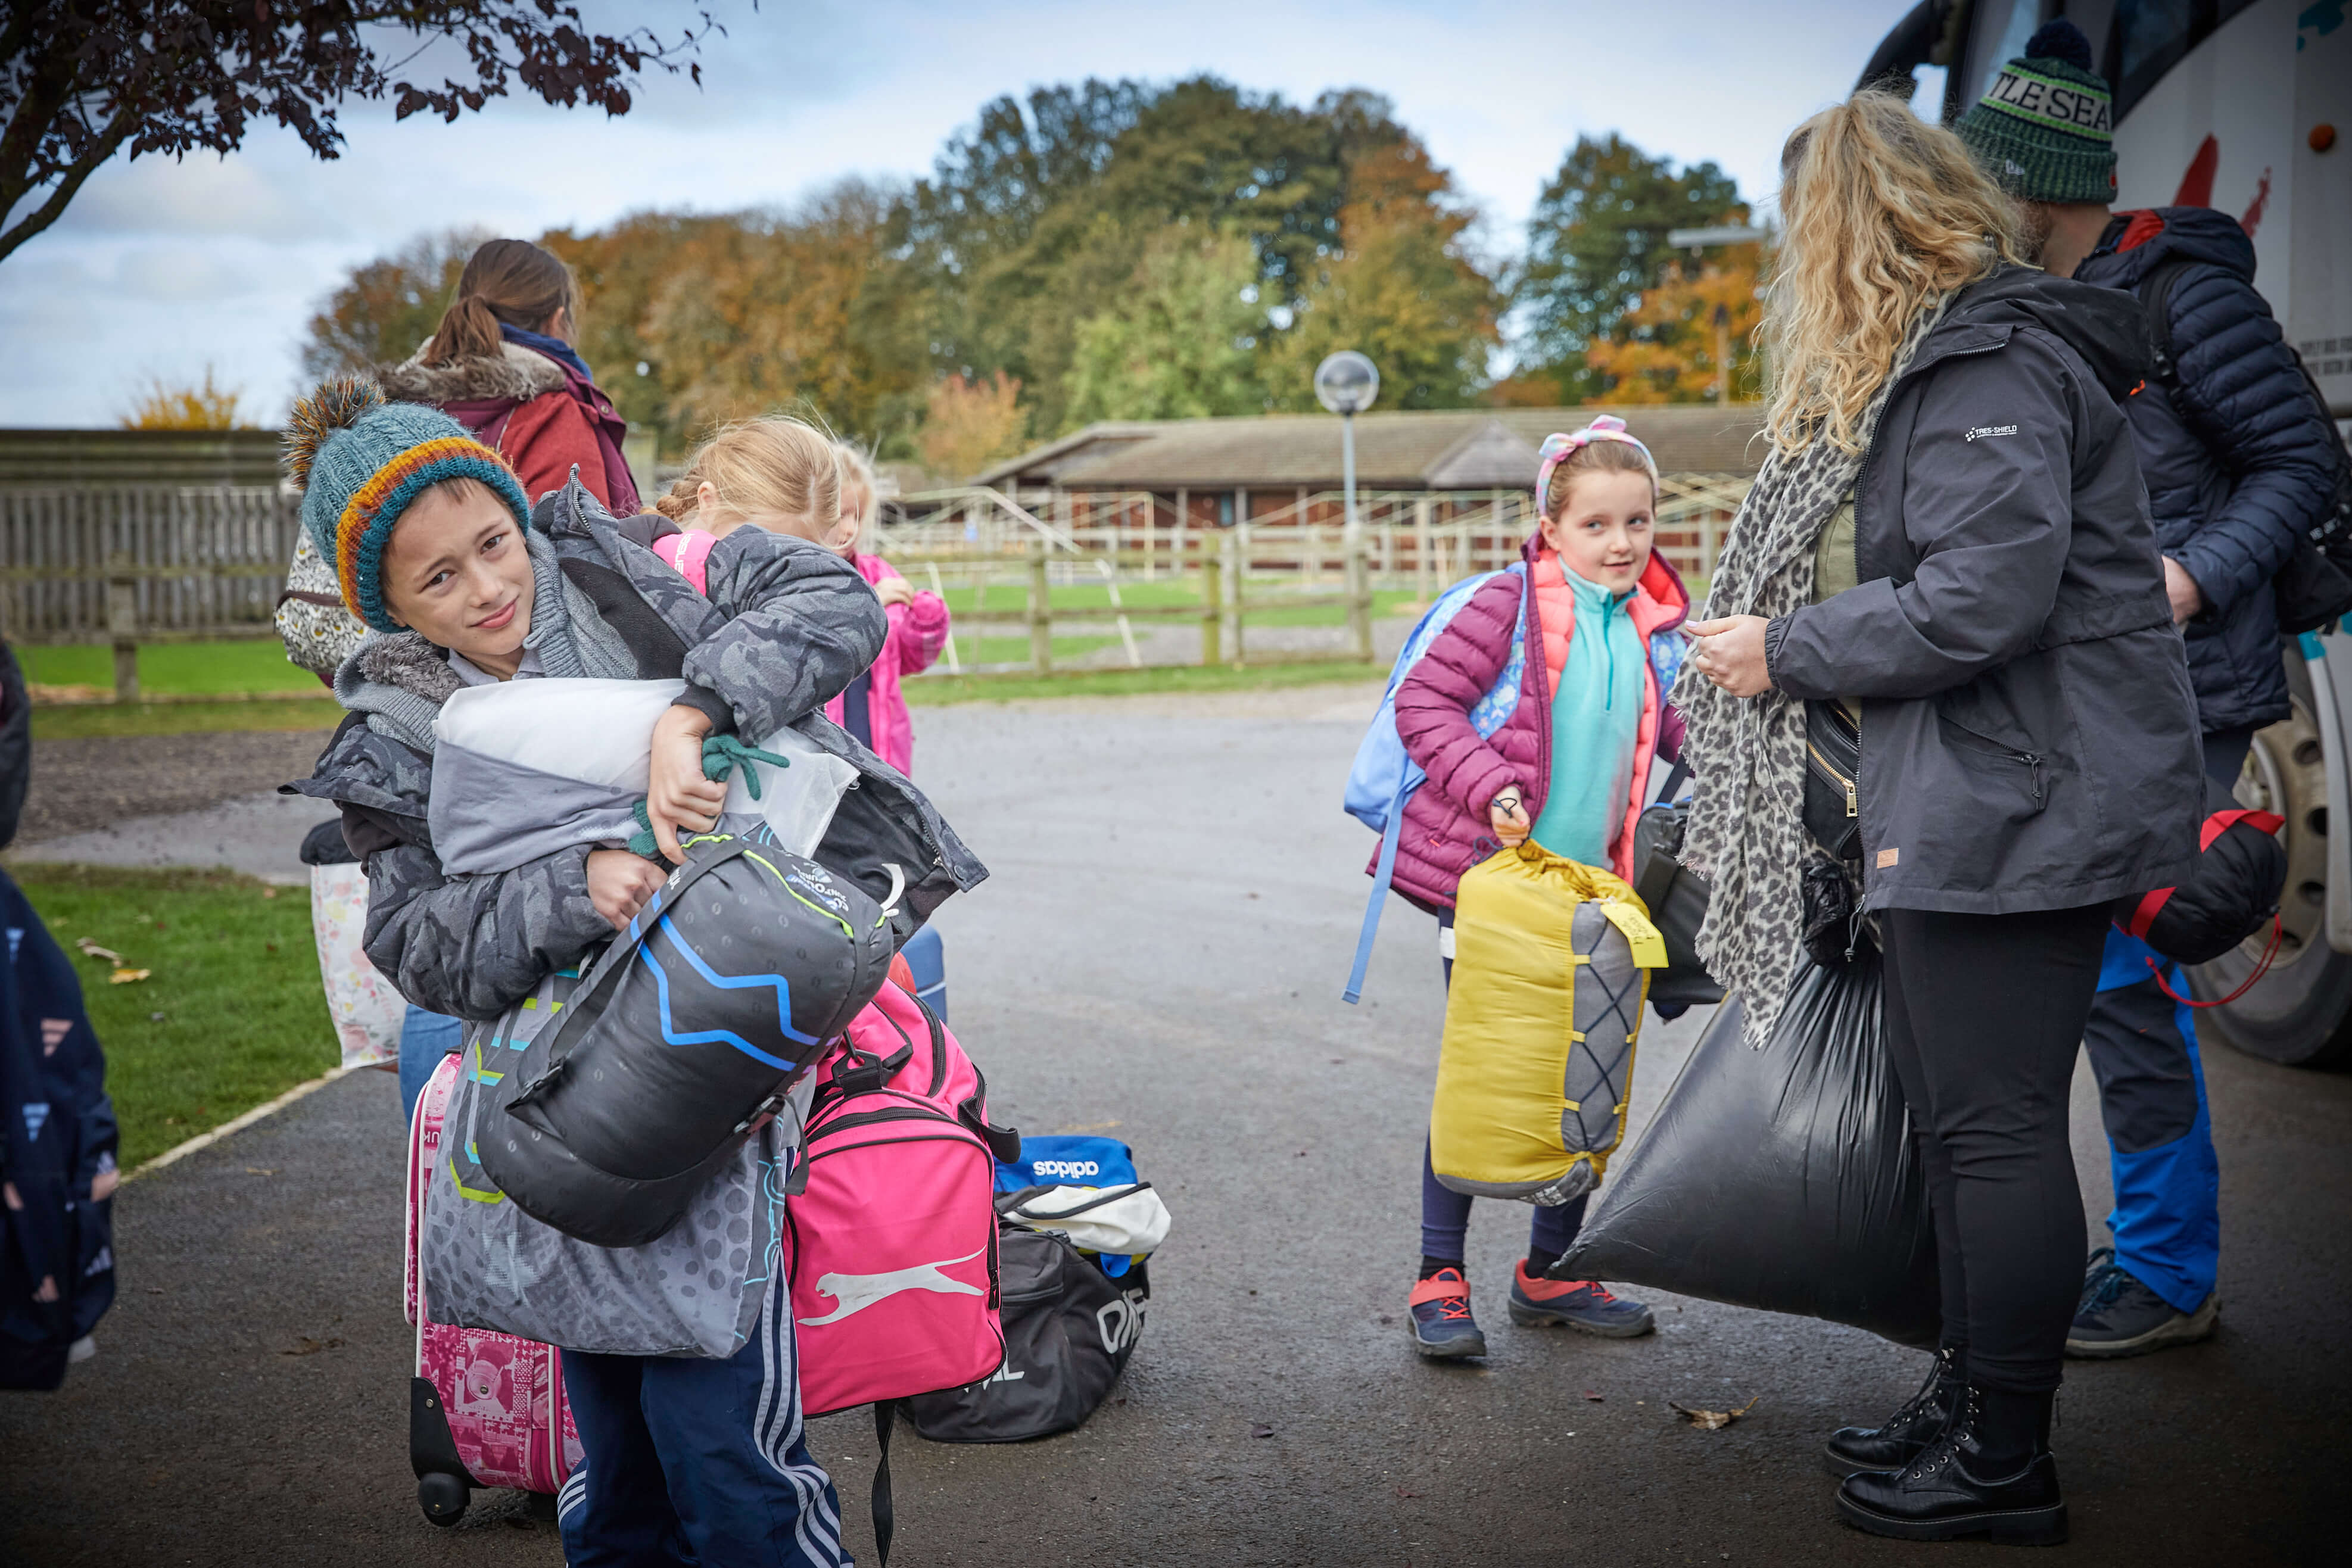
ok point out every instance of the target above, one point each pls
(1345, 383)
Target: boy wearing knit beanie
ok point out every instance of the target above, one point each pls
(682, 1384)
(2238, 459)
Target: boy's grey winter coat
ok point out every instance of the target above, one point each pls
(2029, 737)
(2237, 453)
(785, 627)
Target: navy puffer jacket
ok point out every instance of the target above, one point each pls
(2236, 455)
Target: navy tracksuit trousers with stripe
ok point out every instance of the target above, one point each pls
(697, 1461)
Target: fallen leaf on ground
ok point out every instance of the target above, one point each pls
(128, 976)
(1261, 1430)
(92, 950)
(305, 1345)
(261, 1170)
(1401, 1493)
(1596, 1398)
(268, 893)
(1711, 1420)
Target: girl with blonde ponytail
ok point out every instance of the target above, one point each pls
(1945, 571)
(501, 364)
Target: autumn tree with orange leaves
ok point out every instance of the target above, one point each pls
(1679, 342)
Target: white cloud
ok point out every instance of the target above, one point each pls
(202, 195)
(167, 266)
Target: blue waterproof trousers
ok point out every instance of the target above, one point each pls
(696, 1461)
(2167, 1220)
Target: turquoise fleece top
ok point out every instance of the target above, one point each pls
(1596, 723)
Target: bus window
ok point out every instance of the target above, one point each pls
(1994, 48)
(2149, 37)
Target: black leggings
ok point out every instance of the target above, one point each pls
(1984, 1016)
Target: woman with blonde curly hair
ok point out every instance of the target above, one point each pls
(1946, 567)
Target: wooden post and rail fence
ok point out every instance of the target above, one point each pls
(125, 566)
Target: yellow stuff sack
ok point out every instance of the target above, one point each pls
(1551, 964)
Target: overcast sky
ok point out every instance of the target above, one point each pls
(161, 269)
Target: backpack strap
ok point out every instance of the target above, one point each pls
(886, 1524)
(2156, 301)
(1383, 875)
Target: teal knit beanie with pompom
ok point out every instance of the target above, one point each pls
(361, 462)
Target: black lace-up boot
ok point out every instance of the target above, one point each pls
(1990, 1475)
(1898, 1440)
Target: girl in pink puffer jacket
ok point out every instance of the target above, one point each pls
(1598, 613)
(919, 628)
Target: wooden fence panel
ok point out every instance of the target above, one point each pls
(202, 562)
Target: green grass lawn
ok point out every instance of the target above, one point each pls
(232, 1014)
(177, 669)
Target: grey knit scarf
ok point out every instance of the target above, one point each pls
(1746, 833)
(400, 680)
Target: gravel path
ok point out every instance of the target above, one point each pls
(80, 785)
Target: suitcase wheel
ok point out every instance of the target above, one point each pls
(443, 1497)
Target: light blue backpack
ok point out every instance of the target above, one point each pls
(1383, 778)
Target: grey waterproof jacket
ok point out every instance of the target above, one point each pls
(2028, 735)
(785, 627)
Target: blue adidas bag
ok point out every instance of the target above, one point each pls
(1383, 778)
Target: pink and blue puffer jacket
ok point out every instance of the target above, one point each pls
(1446, 831)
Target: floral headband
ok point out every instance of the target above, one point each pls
(1559, 444)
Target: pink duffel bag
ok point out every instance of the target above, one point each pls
(485, 1409)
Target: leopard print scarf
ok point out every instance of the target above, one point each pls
(1747, 834)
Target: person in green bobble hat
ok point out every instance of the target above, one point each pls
(2045, 130)
(2239, 457)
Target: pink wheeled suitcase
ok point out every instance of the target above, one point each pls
(484, 1410)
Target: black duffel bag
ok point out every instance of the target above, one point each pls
(2232, 892)
(1068, 1331)
(1785, 1179)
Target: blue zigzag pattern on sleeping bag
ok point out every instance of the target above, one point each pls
(781, 987)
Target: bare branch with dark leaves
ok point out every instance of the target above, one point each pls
(81, 80)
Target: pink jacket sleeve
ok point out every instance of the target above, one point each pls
(1434, 699)
(920, 629)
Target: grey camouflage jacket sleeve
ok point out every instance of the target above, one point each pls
(472, 946)
(468, 947)
(1992, 522)
(801, 625)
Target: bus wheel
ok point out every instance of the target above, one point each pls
(2296, 1014)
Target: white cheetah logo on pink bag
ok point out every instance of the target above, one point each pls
(855, 1293)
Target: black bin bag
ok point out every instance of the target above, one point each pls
(1784, 1178)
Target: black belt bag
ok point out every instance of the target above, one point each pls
(1832, 768)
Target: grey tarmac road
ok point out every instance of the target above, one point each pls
(1159, 955)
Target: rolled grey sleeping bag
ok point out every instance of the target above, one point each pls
(697, 1021)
